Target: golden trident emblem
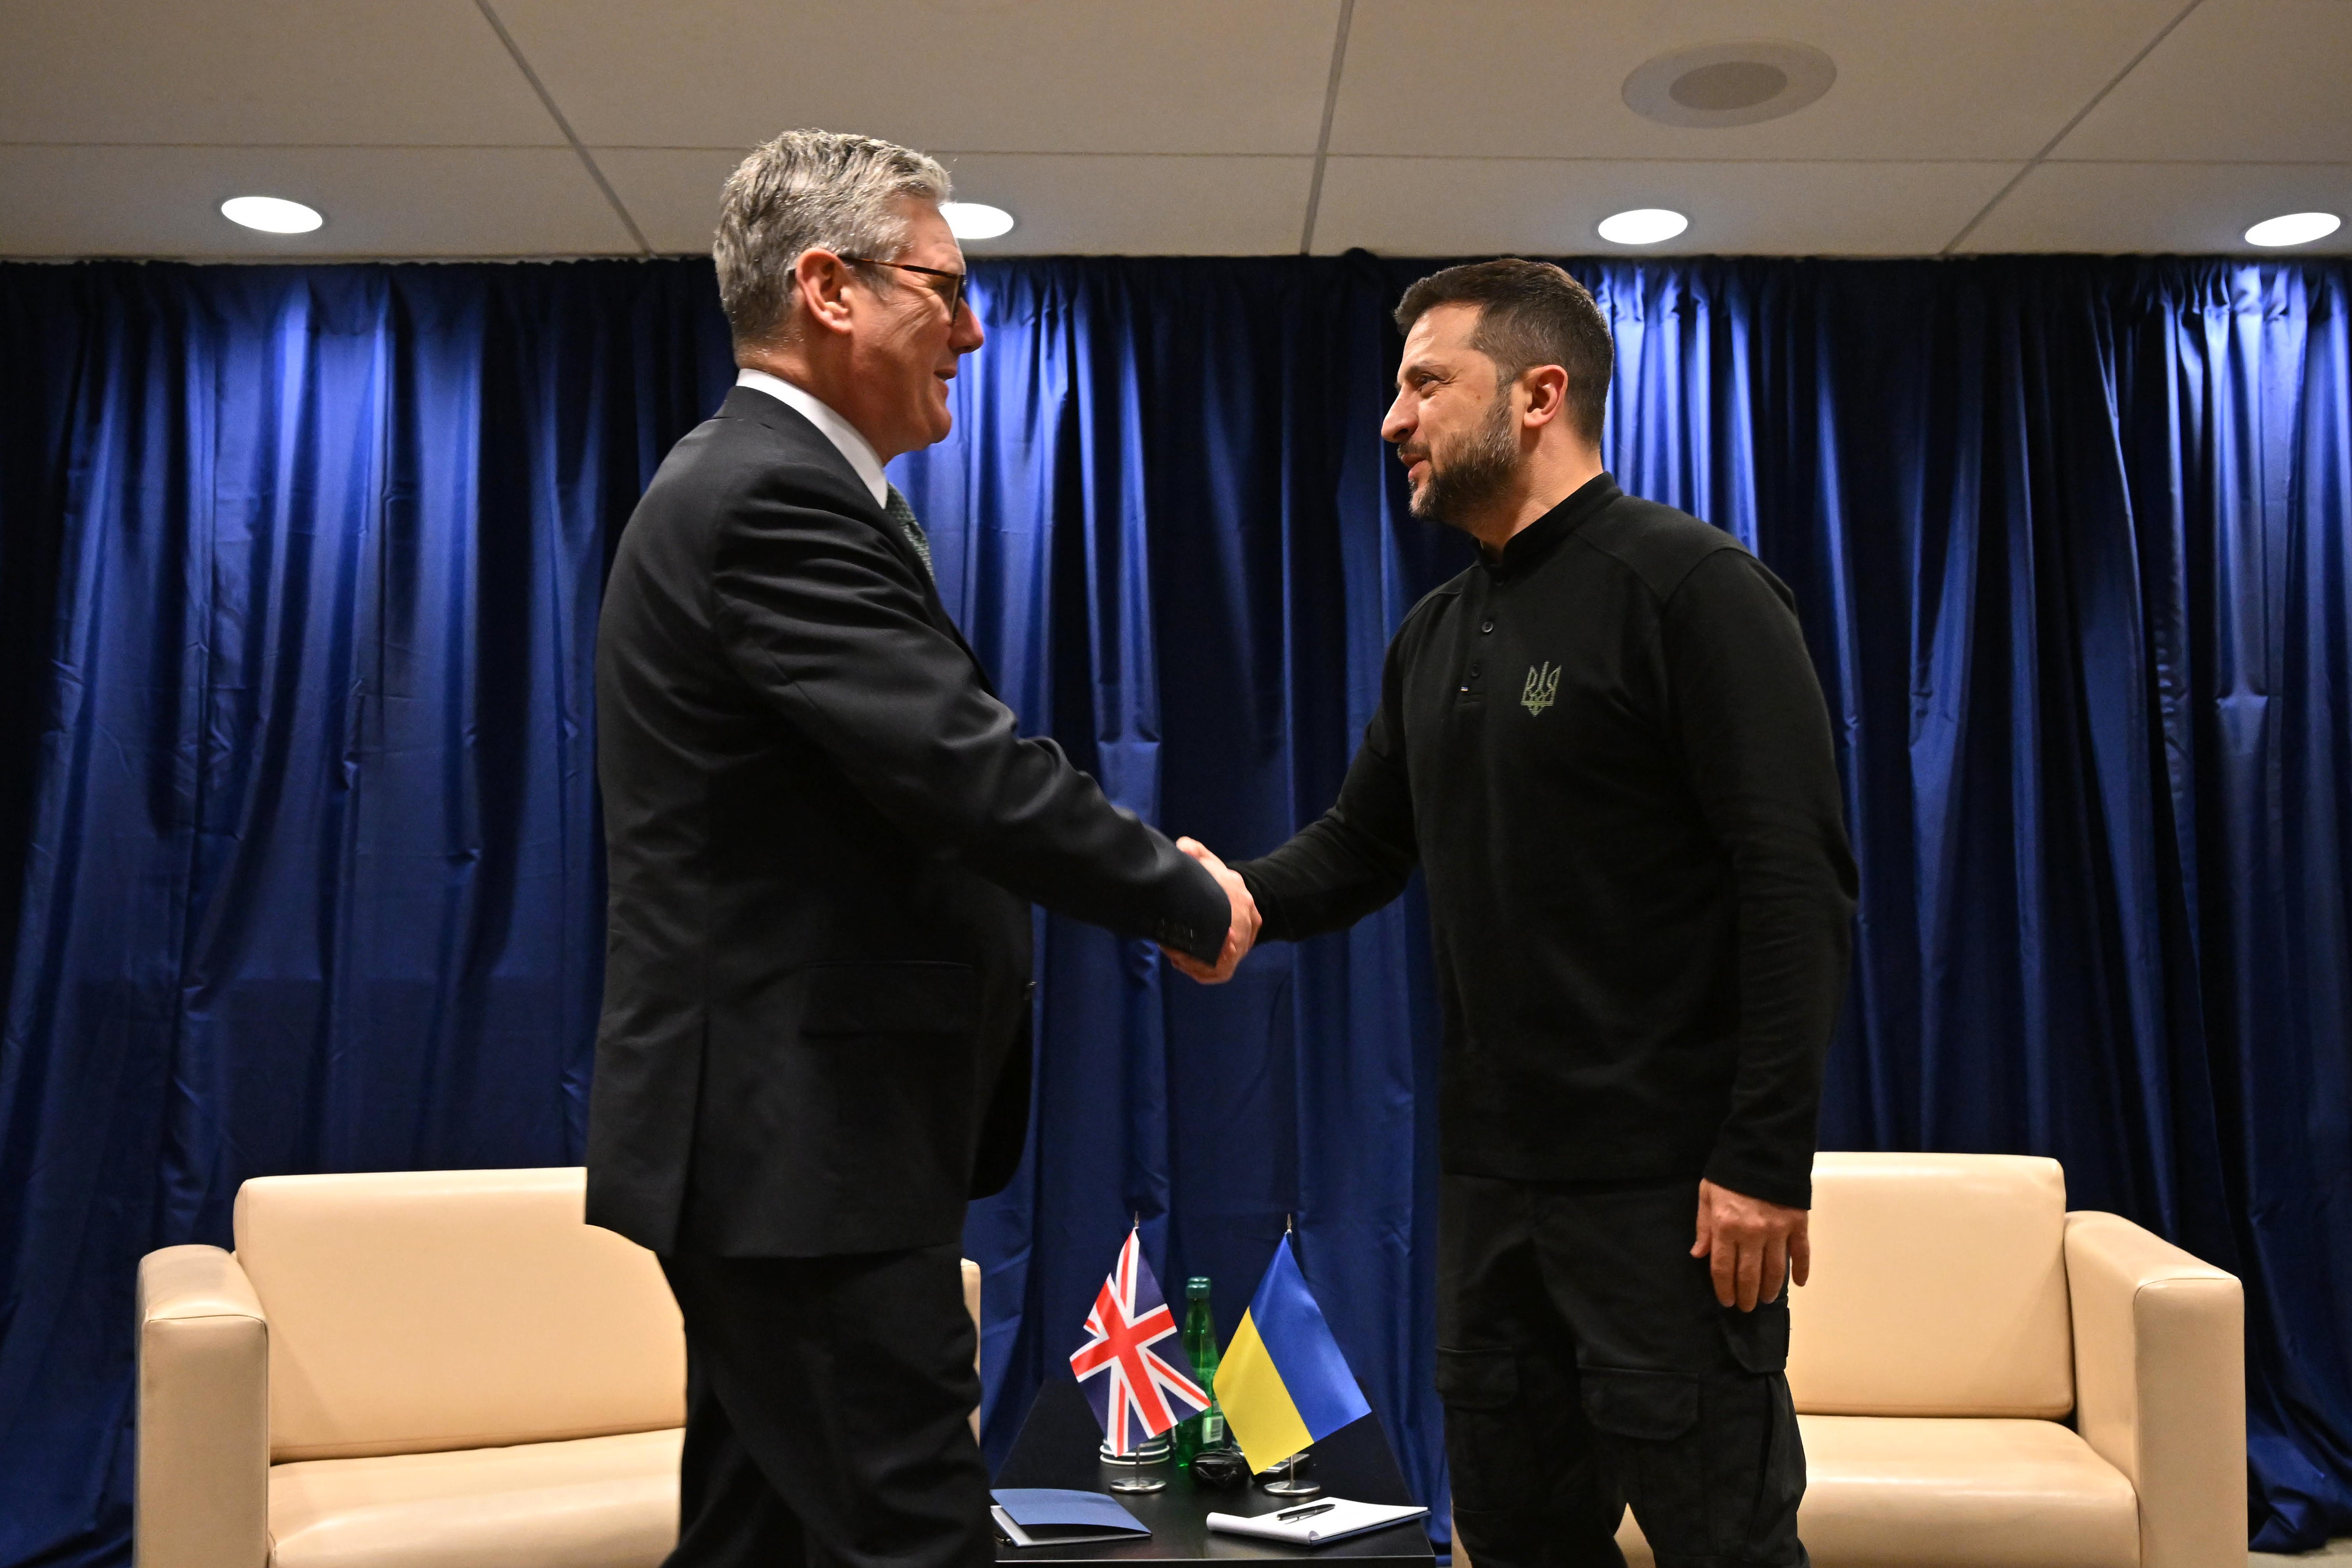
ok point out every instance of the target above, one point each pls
(1542, 689)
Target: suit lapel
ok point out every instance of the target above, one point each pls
(811, 445)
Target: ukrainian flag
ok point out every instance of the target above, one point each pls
(1283, 1383)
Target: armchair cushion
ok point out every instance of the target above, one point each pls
(1938, 1289)
(1965, 1492)
(596, 1502)
(412, 1312)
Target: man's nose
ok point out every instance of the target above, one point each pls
(966, 336)
(1397, 424)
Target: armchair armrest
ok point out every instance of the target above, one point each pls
(202, 1493)
(2160, 1385)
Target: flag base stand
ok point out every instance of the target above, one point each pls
(1290, 1485)
(1153, 1451)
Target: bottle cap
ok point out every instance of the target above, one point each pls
(1197, 1286)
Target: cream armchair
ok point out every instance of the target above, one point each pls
(1986, 1381)
(444, 1368)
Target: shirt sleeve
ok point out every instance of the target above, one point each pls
(1747, 714)
(824, 619)
(1356, 857)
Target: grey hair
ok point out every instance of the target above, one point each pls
(809, 190)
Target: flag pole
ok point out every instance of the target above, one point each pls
(1290, 1486)
(1133, 1480)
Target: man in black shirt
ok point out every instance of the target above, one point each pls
(1606, 744)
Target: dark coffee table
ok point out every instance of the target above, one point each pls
(1057, 1449)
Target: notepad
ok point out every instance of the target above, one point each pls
(1337, 1522)
(1053, 1516)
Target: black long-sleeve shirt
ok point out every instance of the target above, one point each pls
(1608, 750)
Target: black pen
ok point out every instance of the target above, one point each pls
(1308, 1513)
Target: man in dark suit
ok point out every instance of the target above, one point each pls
(822, 832)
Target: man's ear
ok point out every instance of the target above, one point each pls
(821, 284)
(1546, 389)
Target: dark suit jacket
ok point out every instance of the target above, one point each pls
(821, 829)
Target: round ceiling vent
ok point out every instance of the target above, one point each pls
(1739, 83)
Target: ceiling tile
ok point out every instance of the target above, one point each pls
(2190, 208)
(672, 192)
(424, 72)
(378, 201)
(1024, 75)
(1925, 80)
(1063, 204)
(1478, 207)
(2256, 81)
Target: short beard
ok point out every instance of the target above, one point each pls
(1475, 476)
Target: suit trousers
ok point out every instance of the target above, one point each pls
(827, 1414)
(1584, 1363)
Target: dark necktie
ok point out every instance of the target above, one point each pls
(902, 518)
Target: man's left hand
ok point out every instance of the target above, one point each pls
(1751, 1245)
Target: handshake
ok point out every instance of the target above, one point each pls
(1242, 932)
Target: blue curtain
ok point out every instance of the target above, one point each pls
(298, 571)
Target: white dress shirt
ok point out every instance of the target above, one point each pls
(837, 430)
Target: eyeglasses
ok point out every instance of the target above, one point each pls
(952, 296)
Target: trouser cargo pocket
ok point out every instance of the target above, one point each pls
(1647, 1423)
(1478, 1379)
(1712, 1466)
(1655, 1406)
(1495, 1438)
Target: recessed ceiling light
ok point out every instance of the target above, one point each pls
(975, 220)
(271, 215)
(1643, 226)
(2294, 228)
(1739, 83)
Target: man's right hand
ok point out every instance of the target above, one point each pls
(1751, 1245)
(1241, 934)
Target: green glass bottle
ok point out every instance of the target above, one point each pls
(1200, 1433)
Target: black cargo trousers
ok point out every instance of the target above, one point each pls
(1584, 1364)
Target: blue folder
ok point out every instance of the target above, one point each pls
(1055, 1516)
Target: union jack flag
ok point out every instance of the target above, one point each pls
(1137, 1392)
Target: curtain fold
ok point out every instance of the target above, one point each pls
(299, 858)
